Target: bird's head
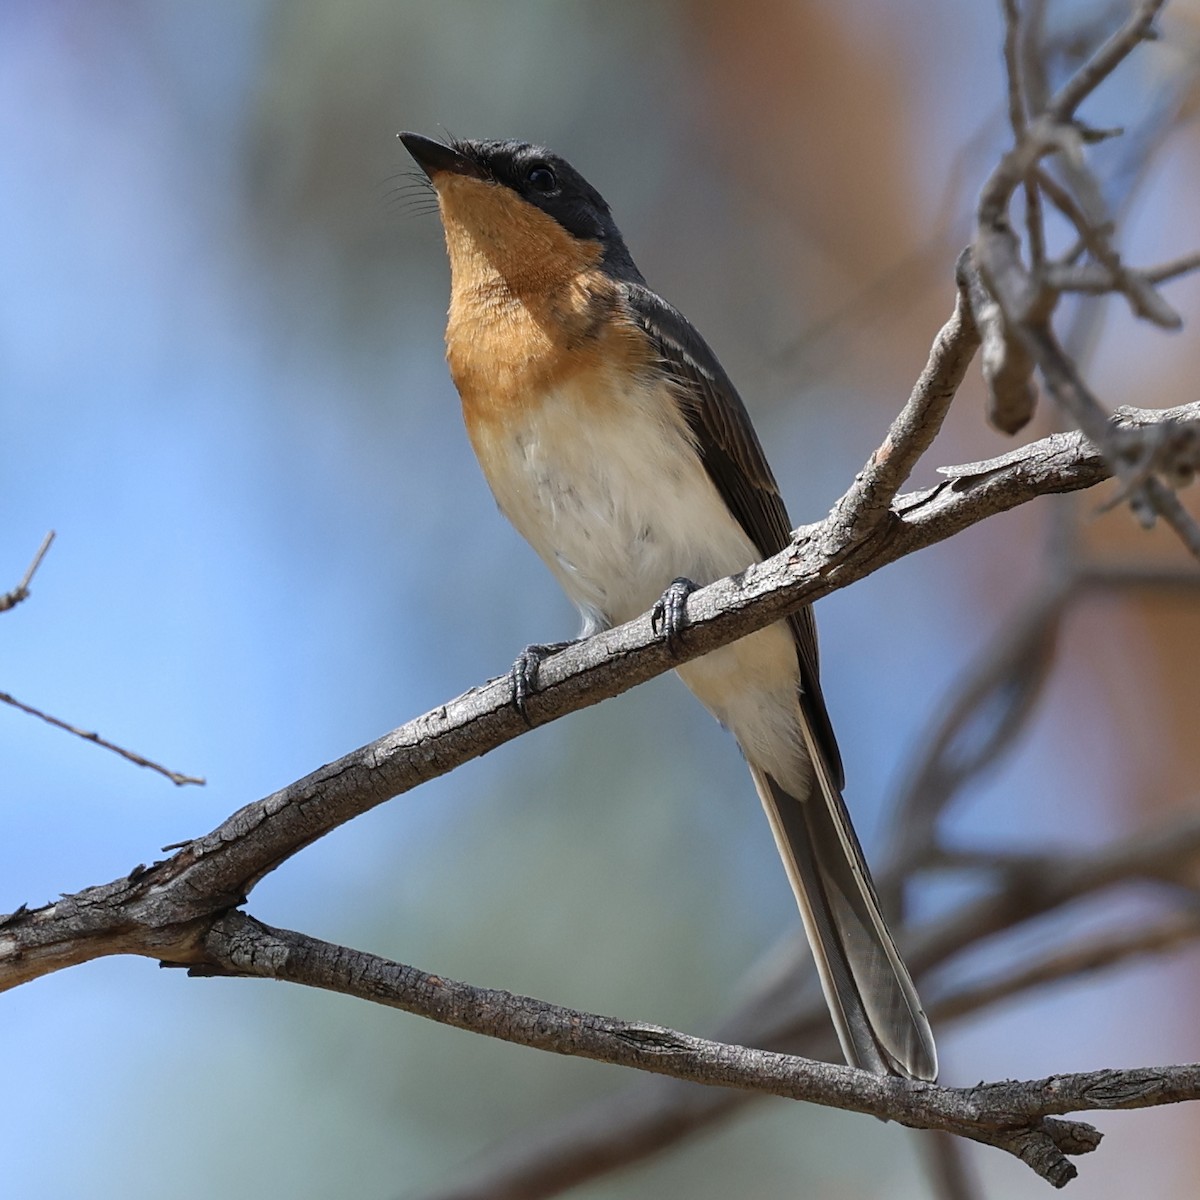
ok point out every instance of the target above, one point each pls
(521, 208)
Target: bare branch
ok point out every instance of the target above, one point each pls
(1075, 961)
(1026, 297)
(1015, 1116)
(1138, 28)
(1172, 449)
(1011, 1116)
(11, 600)
(1184, 265)
(1164, 502)
(1132, 575)
(1096, 237)
(979, 719)
(200, 878)
(1014, 61)
(1007, 366)
(1093, 279)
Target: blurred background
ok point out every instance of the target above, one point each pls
(222, 383)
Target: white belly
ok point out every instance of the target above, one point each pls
(614, 499)
(617, 502)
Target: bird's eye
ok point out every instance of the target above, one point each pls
(541, 178)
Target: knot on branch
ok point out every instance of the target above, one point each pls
(1072, 1137)
(238, 945)
(1007, 372)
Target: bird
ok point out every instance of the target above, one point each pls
(616, 444)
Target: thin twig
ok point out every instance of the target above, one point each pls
(1012, 68)
(1134, 575)
(21, 591)
(1139, 27)
(1070, 964)
(1017, 108)
(1184, 265)
(978, 720)
(869, 497)
(1096, 236)
(1167, 504)
(1093, 279)
(174, 776)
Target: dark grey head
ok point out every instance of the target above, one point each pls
(543, 178)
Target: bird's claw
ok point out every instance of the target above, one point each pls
(669, 614)
(524, 673)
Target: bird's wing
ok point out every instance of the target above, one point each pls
(735, 462)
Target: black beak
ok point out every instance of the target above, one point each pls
(432, 157)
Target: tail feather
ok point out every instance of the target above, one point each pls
(880, 1023)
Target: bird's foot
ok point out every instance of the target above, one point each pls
(669, 614)
(524, 673)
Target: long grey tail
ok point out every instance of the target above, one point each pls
(875, 1007)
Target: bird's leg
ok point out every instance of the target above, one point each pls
(669, 614)
(524, 672)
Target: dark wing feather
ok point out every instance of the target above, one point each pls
(734, 460)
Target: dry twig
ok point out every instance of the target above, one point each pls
(1015, 316)
(21, 591)
(89, 736)
(11, 600)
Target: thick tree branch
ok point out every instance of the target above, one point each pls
(155, 910)
(1017, 1116)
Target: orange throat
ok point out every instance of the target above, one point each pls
(529, 306)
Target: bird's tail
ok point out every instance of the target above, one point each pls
(871, 996)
